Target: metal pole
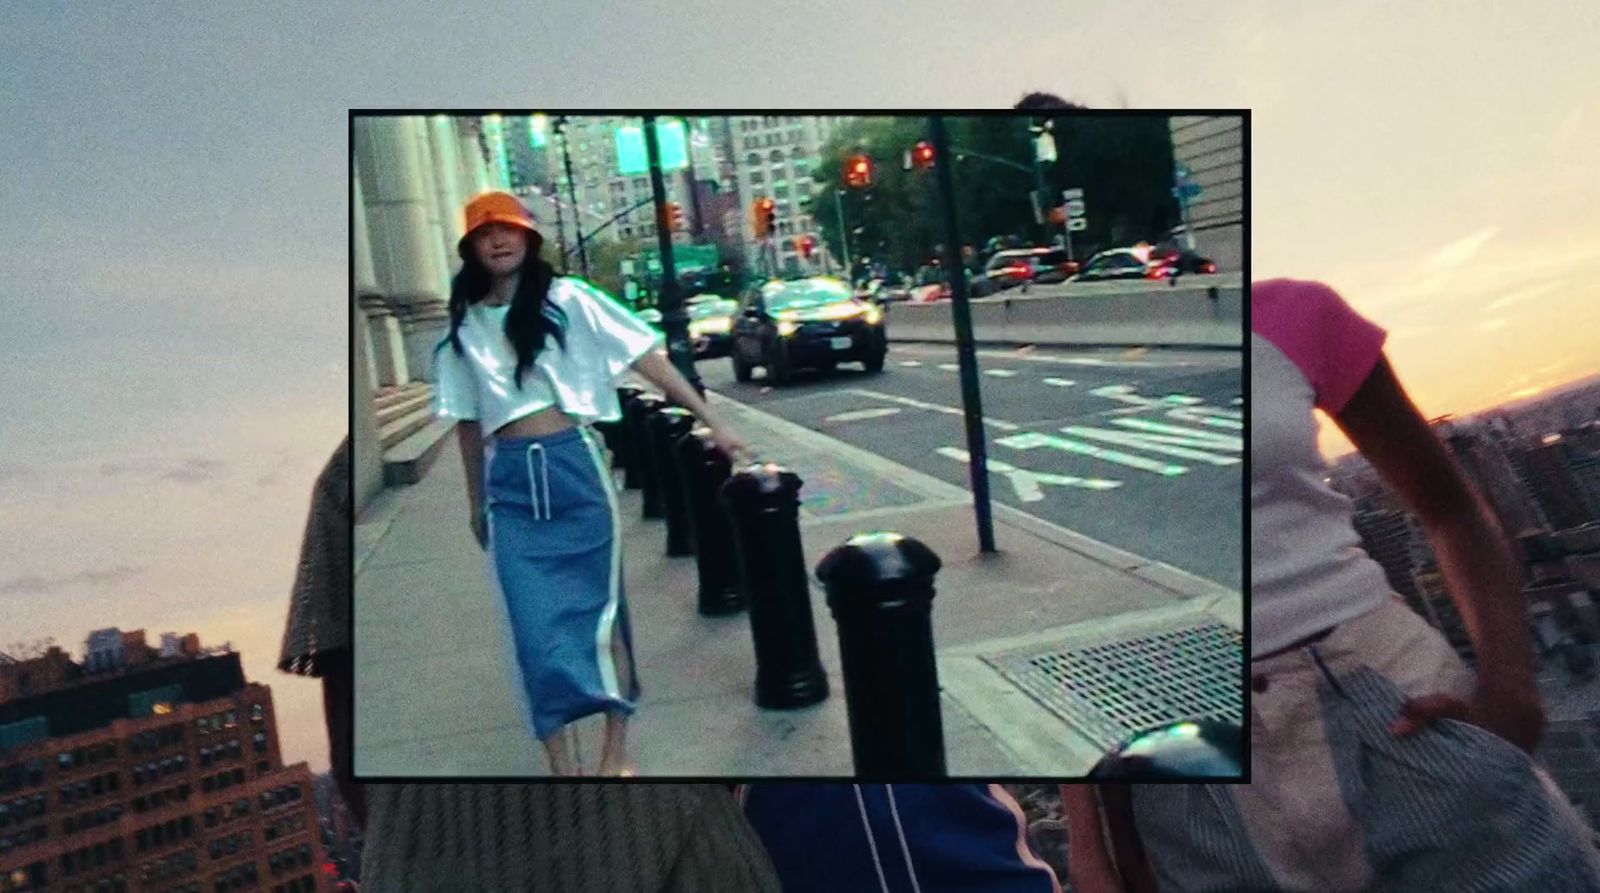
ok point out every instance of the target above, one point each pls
(572, 195)
(961, 310)
(1035, 130)
(561, 231)
(673, 320)
(844, 236)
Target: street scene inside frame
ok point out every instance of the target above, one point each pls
(838, 445)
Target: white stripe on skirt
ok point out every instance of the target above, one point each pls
(608, 617)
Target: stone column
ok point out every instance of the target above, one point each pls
(366, 448)
(452, 187)
(437, 215)
(366, 286)
(406, 251)
(477, 170)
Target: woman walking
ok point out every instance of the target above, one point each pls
(1379, 761)
(532, 359)
(553, 837)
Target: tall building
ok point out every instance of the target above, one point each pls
(1554, 468)
(1487, 465)
(775, 158)
(149, 769)
(1212, 147)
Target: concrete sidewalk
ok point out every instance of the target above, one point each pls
(434, 686)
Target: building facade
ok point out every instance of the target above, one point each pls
(149, 770)
(1212, 148)
(775, 157)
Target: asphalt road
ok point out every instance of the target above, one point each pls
(1139, 449)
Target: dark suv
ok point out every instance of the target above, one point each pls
(811, 323)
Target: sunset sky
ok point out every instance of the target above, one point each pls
(173, 247)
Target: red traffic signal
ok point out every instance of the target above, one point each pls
(805, 245)
(922, 154)
(858, 171)
(764, 213)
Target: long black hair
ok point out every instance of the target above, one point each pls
(531, 319)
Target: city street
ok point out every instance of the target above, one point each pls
(1140, 450)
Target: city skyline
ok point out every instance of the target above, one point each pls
(177, 235)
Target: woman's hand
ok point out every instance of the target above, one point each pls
(1513, 713)
(731, 445)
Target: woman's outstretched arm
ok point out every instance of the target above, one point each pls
(1474, 555)
(659, 371)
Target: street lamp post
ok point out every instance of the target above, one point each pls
(961, 311)
(1036, 130)
(844, 235)
(572, 195)
(673, 320)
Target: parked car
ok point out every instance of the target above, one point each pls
(1179, 262)
(711, 325)
(1052, 265)
(807, 323)
(1117, 263)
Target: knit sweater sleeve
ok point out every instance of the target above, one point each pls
(319, 604)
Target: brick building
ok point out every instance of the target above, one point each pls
(149, 770)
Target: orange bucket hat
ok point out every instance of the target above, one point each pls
(498, 207)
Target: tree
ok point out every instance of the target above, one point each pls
(1124, 166)
(605, 263)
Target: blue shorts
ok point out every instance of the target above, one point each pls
(555, 553)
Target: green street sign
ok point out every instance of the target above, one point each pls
(631, 157)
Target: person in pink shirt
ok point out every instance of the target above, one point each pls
(1379, 760)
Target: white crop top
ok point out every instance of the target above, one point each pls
(603, 339)
(1308, 572)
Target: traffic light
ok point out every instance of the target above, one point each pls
(922, 154)
(858, 171)
(765, 213)
(804, 245)
(675, 219)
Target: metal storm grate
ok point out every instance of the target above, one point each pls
(1113, 689)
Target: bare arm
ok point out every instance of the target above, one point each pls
(1090, 866)
(470, 436)
(1474, 554)
(659, 371)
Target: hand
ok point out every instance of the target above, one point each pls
(480, 528)
(730, 444)
(1514, 714)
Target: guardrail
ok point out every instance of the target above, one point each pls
(1187, 315)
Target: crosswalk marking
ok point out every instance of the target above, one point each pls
(932, 407)
(1029, 484)
(859, 415)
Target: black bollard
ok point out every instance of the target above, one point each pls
(666, 426)
(1208, 749)
(626, 446)
(644, 407)
(880, 588)
(703, 470)
(763, 503)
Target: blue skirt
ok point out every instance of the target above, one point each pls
(555, 553)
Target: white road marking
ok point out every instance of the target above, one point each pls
(949, 367)
(1029, 484)
(1000, 373)
(911, 364)
(860, 415)
(932, 407)
(1060, 382)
